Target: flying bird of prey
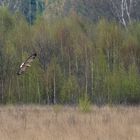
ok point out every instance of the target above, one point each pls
(26, 64)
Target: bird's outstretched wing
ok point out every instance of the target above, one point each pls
(26, 64)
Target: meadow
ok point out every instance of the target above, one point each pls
(34, 122)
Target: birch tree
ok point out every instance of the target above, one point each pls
(122, 10)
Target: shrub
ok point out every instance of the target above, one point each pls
(84, 103)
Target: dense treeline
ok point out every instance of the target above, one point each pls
(122, 11)
(77, 60)
(29, 8)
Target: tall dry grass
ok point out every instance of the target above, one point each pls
(67, 123)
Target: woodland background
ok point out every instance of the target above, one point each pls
(88, 51)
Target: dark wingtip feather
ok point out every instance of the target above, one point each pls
(18, 73)
(35, 54)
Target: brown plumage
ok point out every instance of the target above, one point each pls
(26, 64)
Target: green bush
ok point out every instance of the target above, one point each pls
(84, 103)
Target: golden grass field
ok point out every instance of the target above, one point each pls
(68, 123)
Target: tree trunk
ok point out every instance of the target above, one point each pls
(18, 90)
(38, 91)
(86, 71)
(76, 63)
(92, 89)
(9, 91)
(54, 88)
(69, 65)
(1, 92)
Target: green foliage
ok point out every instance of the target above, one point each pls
(69, 91)
(84, 103)
(28, 8)
(78, 62)
(6, 20)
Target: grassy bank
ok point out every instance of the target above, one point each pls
(67, 123)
